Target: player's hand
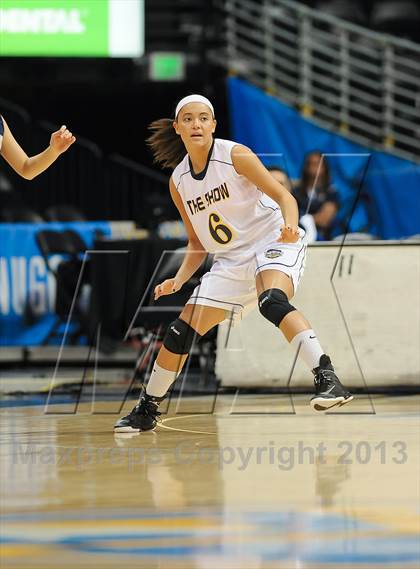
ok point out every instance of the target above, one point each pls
(61, 140)
(289, 234)
(170, 286)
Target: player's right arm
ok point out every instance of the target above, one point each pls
(194, 255)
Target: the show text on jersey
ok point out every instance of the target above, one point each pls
(204, 201)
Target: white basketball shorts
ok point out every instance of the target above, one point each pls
(230, 283)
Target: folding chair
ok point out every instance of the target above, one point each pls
(69, 281)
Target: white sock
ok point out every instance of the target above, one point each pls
(310, 349)
(160, 381)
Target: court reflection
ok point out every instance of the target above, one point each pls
(207, 490)
(330, 473)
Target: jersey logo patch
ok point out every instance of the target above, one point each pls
(273, 253)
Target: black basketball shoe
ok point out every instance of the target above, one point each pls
(142, 417)
(328, 390)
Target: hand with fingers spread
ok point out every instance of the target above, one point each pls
(61, 140)
(170, 286)
(289, 234)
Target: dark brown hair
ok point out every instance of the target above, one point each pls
(166, 145)
(324, 178)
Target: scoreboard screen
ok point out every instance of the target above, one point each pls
(71, 28)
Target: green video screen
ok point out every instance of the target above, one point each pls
(71, 28)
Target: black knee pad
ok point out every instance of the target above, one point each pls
(179, 337)
(274, 305)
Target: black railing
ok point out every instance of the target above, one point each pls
(101, 187)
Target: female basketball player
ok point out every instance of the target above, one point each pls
(233, 207)
(30, 167)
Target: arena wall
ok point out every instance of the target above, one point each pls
(362, 301)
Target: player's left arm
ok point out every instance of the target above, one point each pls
(247, 164)
(29, 167)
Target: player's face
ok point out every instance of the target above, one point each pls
(195, 124)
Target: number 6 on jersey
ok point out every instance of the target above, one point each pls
(219, 231)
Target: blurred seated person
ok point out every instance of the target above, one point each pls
(306, 221)
(280, 175)
(316, 195)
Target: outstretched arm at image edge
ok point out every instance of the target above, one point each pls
(30, 167)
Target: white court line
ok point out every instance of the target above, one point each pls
(184, 430)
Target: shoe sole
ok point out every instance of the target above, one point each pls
(131, 430)
(319, 403)
(125, 430)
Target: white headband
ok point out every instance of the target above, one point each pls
(193, 99)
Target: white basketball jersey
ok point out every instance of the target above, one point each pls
(226, 210)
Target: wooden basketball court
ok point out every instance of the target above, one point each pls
(243, 489)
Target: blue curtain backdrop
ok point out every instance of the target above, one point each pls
(24, 280)
(389, 205)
